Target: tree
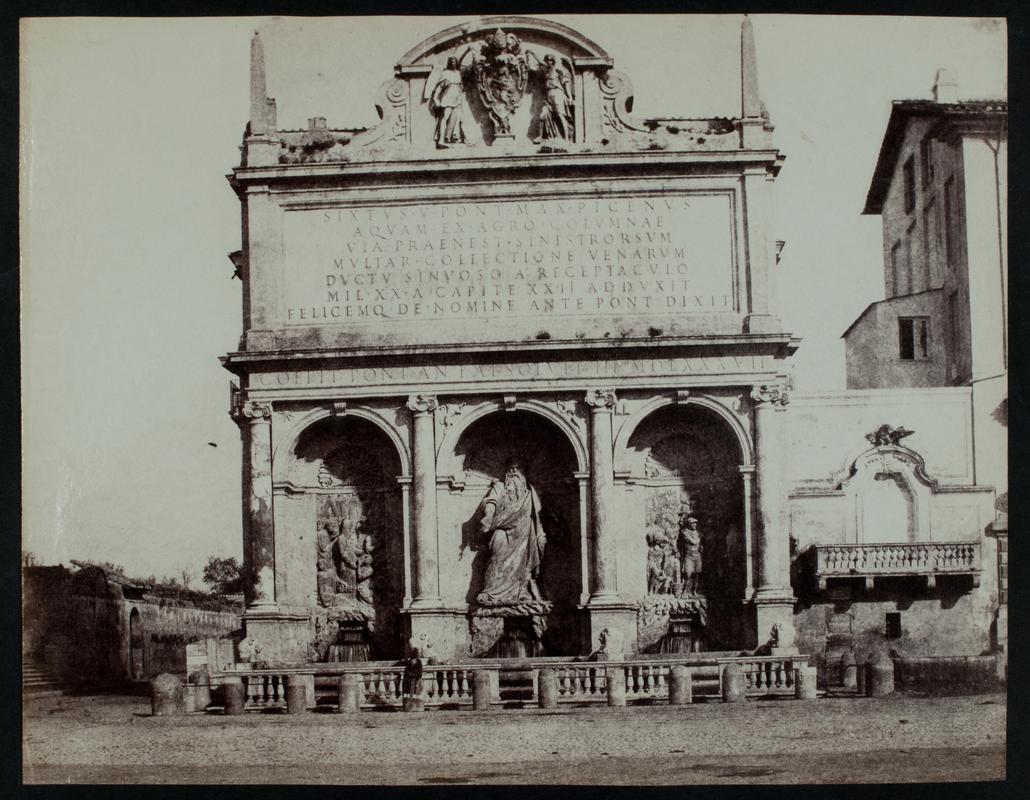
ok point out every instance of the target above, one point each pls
(223, 575)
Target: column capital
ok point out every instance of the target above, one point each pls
(252, 411)
(775, 394)
(600, 399)
(422, 403)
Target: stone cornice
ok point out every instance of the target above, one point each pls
(552, 163)
(780, 345)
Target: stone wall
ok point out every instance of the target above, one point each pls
(80, 626)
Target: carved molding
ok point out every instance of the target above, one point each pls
(422, 403)
(340, 408)
(616, 99)
(775, 394)
(447, 412)
(682, 396)
(510, 402)
(600, 399)
(253, 411)
(568, 409)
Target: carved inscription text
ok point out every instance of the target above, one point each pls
(534, 258)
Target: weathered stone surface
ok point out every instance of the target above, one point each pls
(167, 696)
(296, 695)
(482, 688)
(235, 696)
(732, 682)
(880, 679)
(805, 683)
(680, 686)
(615, 677)
(349, 693)
(547, 688)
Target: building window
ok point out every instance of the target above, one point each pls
(953, 327)
(914, 338)
(892, 625)
(949, 223)
(909, 171)
(929, 241)
(895, 269)
(910, 271)
(926, 157)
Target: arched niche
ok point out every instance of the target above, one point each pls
(888, 496)
(347, 547)
(684, 459)
(629, 461)
(291, 428)
(482, 453)
(450, 465)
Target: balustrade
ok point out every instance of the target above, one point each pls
(577, 682)
(580, 683)
(447, 685)
(265, 691)
(906, 558)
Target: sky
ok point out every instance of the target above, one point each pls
(129, 127)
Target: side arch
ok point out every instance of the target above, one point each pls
(284, 444)
(629, 426)
(446, 456)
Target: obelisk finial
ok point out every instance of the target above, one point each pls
(751, 103)
(262, 109)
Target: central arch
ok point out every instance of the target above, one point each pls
(481, 454)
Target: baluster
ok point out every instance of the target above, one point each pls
(362, 688)
(780, 682)
(579, 684)
(278, 688)
(563, 682)
(759, 676)
(592, 681)
(391, 687)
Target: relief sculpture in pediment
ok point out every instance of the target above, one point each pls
(501, 74)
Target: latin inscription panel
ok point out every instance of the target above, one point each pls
(509, 260)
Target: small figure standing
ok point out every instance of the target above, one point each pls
(446, 103)
(690, 548)
(556, 114)
(657, 579)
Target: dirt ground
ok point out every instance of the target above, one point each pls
(113, 739)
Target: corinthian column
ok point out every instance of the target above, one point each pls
(255, 421)
(773, 545)
(602, 487)
(426, 577)
(774, 598)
